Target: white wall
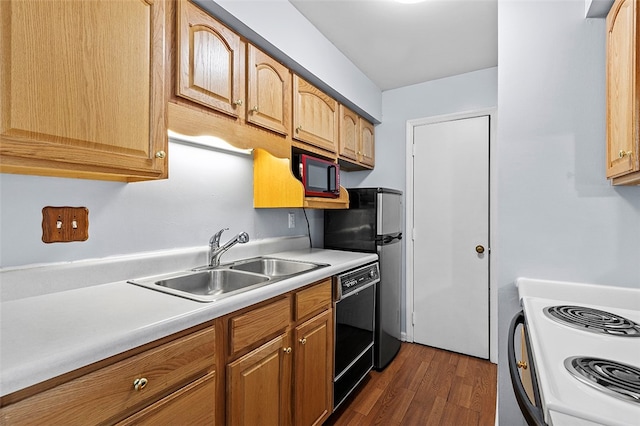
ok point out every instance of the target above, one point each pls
(206, 191)
(558, 216)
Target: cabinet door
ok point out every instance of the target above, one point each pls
(349, 134)
(367, 143)
(210, 61)
(313, 359)
(622, 109)
(258, 385)
(269, 92)
(82, 88)
(194, 404)
(315, 116)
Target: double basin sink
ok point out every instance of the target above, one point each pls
(208, 284)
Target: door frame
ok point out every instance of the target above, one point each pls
(409, 245)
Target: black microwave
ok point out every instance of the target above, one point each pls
(320, 178)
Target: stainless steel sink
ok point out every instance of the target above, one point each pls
(204, 286)
(274, 267)
(208, 283)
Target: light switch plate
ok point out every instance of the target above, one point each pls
(65, 224)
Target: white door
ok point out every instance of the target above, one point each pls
(451, 235)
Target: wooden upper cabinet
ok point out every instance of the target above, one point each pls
(367, 144)
(210, 61)
(356, 144)
(349, 134)
(315, 116)
(269, 92)
(623, 92)
(82, 89)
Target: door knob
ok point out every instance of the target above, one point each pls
(479, 249)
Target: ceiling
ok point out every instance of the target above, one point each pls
(397, 45)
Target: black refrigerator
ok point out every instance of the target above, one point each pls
(373, 224)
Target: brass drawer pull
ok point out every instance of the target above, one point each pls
(303, 340)
(139, 384)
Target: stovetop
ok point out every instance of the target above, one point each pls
(593, 320)
(599, 336)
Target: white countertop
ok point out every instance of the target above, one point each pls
(44, 336)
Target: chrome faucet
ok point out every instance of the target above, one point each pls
(215, 251)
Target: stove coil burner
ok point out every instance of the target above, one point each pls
(611, 377)
(593, 320)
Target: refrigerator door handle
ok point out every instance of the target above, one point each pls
(389, 238)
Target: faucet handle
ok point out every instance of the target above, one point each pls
(215, 239)
(243, 237)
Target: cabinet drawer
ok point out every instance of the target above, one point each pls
(312, 299)
(252, 327)
(195, 404)
(108, 394)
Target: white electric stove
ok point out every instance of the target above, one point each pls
(585, 346)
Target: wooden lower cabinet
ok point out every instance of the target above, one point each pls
(288, 379)
(194, 404)
(279, 371)
(313, 360)
(258, 385)
(114, 392)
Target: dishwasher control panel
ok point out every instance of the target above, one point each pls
(356, 279)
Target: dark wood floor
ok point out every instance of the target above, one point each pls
(424, 386)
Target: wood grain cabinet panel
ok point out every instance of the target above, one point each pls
(313, 360)
(349, 134)
(269, 92)
(623, 92)
(356, 143)
(259, 388)
(367, 144)
(210, 61)
(110, 393)
(82, 89)
(315, 116)
(195, 404)
(250, 328)
(312, 299)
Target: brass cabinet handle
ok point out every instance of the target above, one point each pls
(238, 102)
(479, 249)
(298, 129)
(522, 364)
(623, 153)
(161, 154)
(254, 109)
(139, 384)
(303, 340)
(287, 350)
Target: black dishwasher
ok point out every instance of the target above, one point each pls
(354, 310)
